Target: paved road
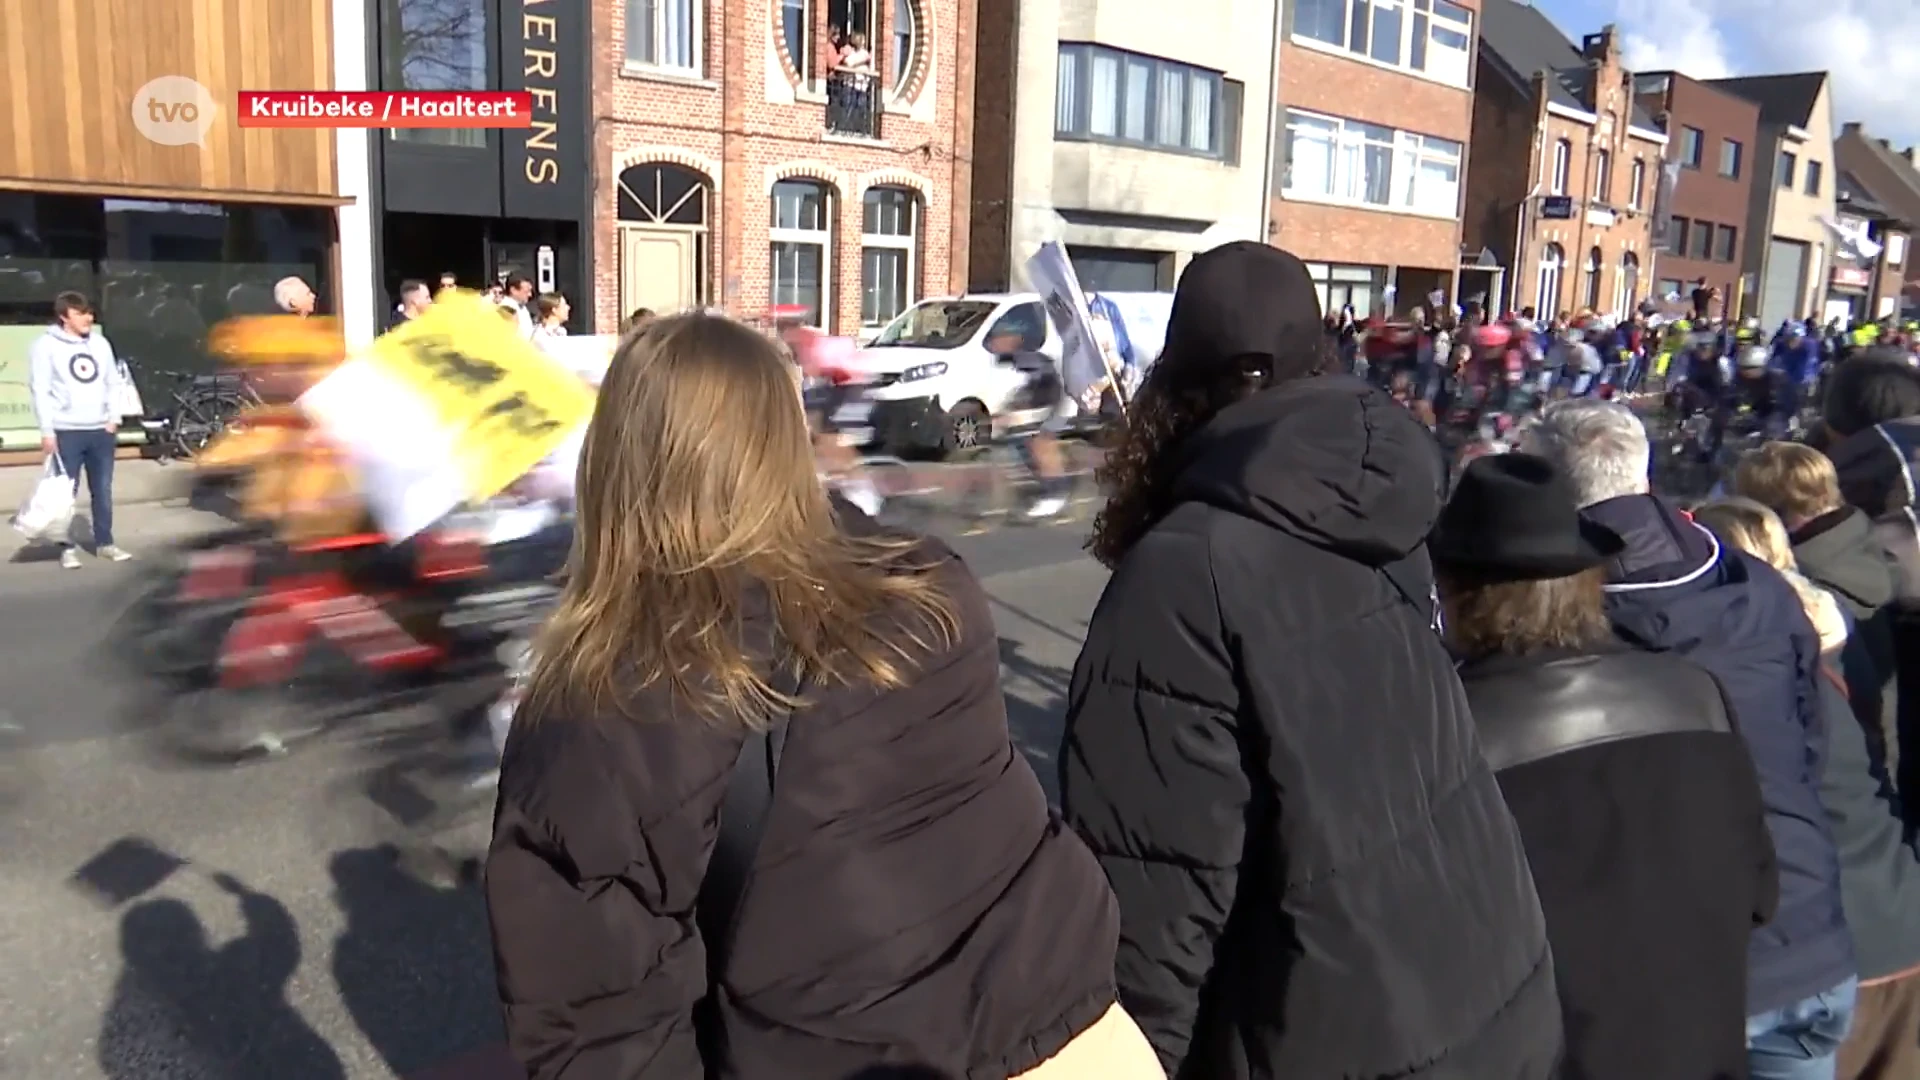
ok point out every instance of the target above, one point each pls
(158, 922)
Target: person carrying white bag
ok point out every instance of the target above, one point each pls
(74, 380)
(48, 511)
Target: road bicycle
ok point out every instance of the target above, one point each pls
(203, 407)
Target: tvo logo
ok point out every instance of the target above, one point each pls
(174, 110)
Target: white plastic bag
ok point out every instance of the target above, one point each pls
(48, 510)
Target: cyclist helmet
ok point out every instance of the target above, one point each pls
(1492, 336)
(1752, 358)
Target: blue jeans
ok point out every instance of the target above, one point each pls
(1799, 1041)
(91, 452)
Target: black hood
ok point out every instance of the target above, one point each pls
(1330, 460)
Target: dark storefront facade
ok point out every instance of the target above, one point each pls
(483, 203)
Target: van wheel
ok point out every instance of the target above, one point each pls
(968, 427)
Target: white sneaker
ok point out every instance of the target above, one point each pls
(1046, 507)
(69, 558)
(114, 553)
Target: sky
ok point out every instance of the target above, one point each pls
(1865, 44)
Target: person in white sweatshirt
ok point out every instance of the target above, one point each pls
(74, 380)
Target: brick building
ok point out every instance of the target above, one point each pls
(1376, 115)
(1870, 261)
(1713, 132)
(1562, 167)
(738, 168)
(1890, 178)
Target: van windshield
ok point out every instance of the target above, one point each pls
(936, 324)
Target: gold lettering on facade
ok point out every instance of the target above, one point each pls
(541, 68)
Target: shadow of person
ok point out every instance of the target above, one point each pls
(414, 964)
(223, 1008)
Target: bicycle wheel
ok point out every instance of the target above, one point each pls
(911, 495)
(200, 419)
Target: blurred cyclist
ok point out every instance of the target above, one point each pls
(1017, 340)
(832, 389)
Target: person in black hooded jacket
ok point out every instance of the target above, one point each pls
(1266, 744)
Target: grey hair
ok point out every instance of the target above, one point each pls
(285, 290)
(1602, 447)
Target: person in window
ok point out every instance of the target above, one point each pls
(1266, 743)
(913, 907)
(294, 296)
(856, 68)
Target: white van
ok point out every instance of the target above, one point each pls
(937, 387)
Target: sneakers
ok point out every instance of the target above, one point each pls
(1046, 507)
(70, 556)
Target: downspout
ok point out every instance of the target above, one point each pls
(1273, 121)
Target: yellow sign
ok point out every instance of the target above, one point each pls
(504, 402)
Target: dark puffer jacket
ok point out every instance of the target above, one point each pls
(1840, 552)
(1676, 589)
(913, 902)
(1269, 750)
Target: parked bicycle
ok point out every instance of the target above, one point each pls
(203, 407)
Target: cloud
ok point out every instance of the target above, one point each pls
(1863, 43)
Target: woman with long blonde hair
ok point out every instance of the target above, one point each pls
(760, 814)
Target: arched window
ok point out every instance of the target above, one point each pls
(1591, 300)
(662, 211)
(1553, 261)
(889, 268)
(800, 246)
(903, 38)
(1626, 287)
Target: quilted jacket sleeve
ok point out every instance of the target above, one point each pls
(598, 971)
(1151, 776)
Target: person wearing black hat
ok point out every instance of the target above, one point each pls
(1266, 743)
(1636, 797)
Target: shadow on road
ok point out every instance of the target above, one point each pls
(183, 1005)
(1035, 721)
(414, 964)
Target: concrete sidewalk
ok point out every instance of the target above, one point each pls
(135, 481)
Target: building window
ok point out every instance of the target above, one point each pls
(1428, 36)
(888, 269)
(1626, 286)
(796, 31)
(1730, 159)
(1637, 181)
(1552, 262)
(903, 42)
(1106, 95)
(801, 241)
(1814, 170)
(665, 34)
(1677, 235)
(1700, 241)
(1562, 164)
(1362, 288)
(1592, 302)
(1784, 171)
(1725, 240)
(1896, 249)
(1602, 178)
(1339, 160)
(1692, 140)
(436, 45)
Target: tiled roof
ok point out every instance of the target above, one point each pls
(1902, 198)
(1525, 41)
(1783, 99)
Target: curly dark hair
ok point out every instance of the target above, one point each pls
(1871, 387)
(1180, 395)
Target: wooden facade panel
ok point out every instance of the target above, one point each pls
(69, 71)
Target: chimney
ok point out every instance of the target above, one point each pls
(1913, 159)
(1601, 47)
(1851, 127)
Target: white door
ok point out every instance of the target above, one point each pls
(656, 269)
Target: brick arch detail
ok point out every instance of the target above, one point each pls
(895, 178)
(667, 155)
(808, 170)
(919, 73)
